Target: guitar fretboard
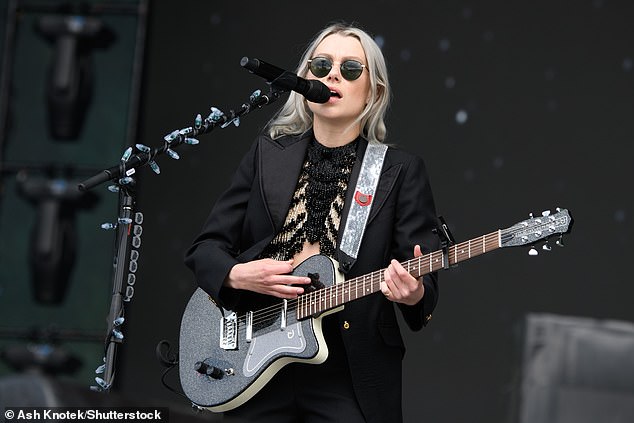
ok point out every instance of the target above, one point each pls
(316, 302)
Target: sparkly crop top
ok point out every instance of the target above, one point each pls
(315, 210)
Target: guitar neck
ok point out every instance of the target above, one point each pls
(315, 302)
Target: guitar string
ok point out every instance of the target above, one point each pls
(315, 299)
(348, 286)
(340, 290)
(489, 245)
(336, 291)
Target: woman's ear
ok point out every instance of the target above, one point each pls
(379, 93)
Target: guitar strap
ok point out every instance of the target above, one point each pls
(361, 205)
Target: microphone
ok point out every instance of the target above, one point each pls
(313, 90)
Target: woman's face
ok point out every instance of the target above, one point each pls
(351, 96)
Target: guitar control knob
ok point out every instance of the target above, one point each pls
(206, 369)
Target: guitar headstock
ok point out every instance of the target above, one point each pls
(543, 227)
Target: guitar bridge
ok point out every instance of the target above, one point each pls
(229, 332)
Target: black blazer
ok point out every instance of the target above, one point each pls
(251, 211)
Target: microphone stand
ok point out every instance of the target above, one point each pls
(128, 226)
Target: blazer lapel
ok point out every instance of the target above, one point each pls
(280, 166)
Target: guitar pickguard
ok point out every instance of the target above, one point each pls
(289, 340)
(247, 351)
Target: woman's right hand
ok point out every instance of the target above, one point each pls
(267, 276)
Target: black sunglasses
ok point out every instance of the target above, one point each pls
(321, 66)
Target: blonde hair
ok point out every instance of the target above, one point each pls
(295, 118)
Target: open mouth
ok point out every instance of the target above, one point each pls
(335, 94)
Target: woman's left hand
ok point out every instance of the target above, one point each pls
(401, 287)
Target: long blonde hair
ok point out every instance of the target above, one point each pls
(295, 117)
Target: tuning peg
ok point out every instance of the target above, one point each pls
(546, 247)
(532, 252)
(546, 213)
(530, 215)
(560, 241)
(198, 121)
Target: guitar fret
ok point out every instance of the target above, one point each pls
(322, 300)
(332, 296)
(300, 313)
(303, 306)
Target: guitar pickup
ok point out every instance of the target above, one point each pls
(229, 332)
(284, 315)
(249, 318)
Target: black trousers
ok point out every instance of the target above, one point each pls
(306, 393)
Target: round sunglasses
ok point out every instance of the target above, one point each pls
(350, 69)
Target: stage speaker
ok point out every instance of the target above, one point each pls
(577, 370)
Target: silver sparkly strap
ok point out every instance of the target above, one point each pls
(363, 198)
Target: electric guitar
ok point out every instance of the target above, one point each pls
(226, 357)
